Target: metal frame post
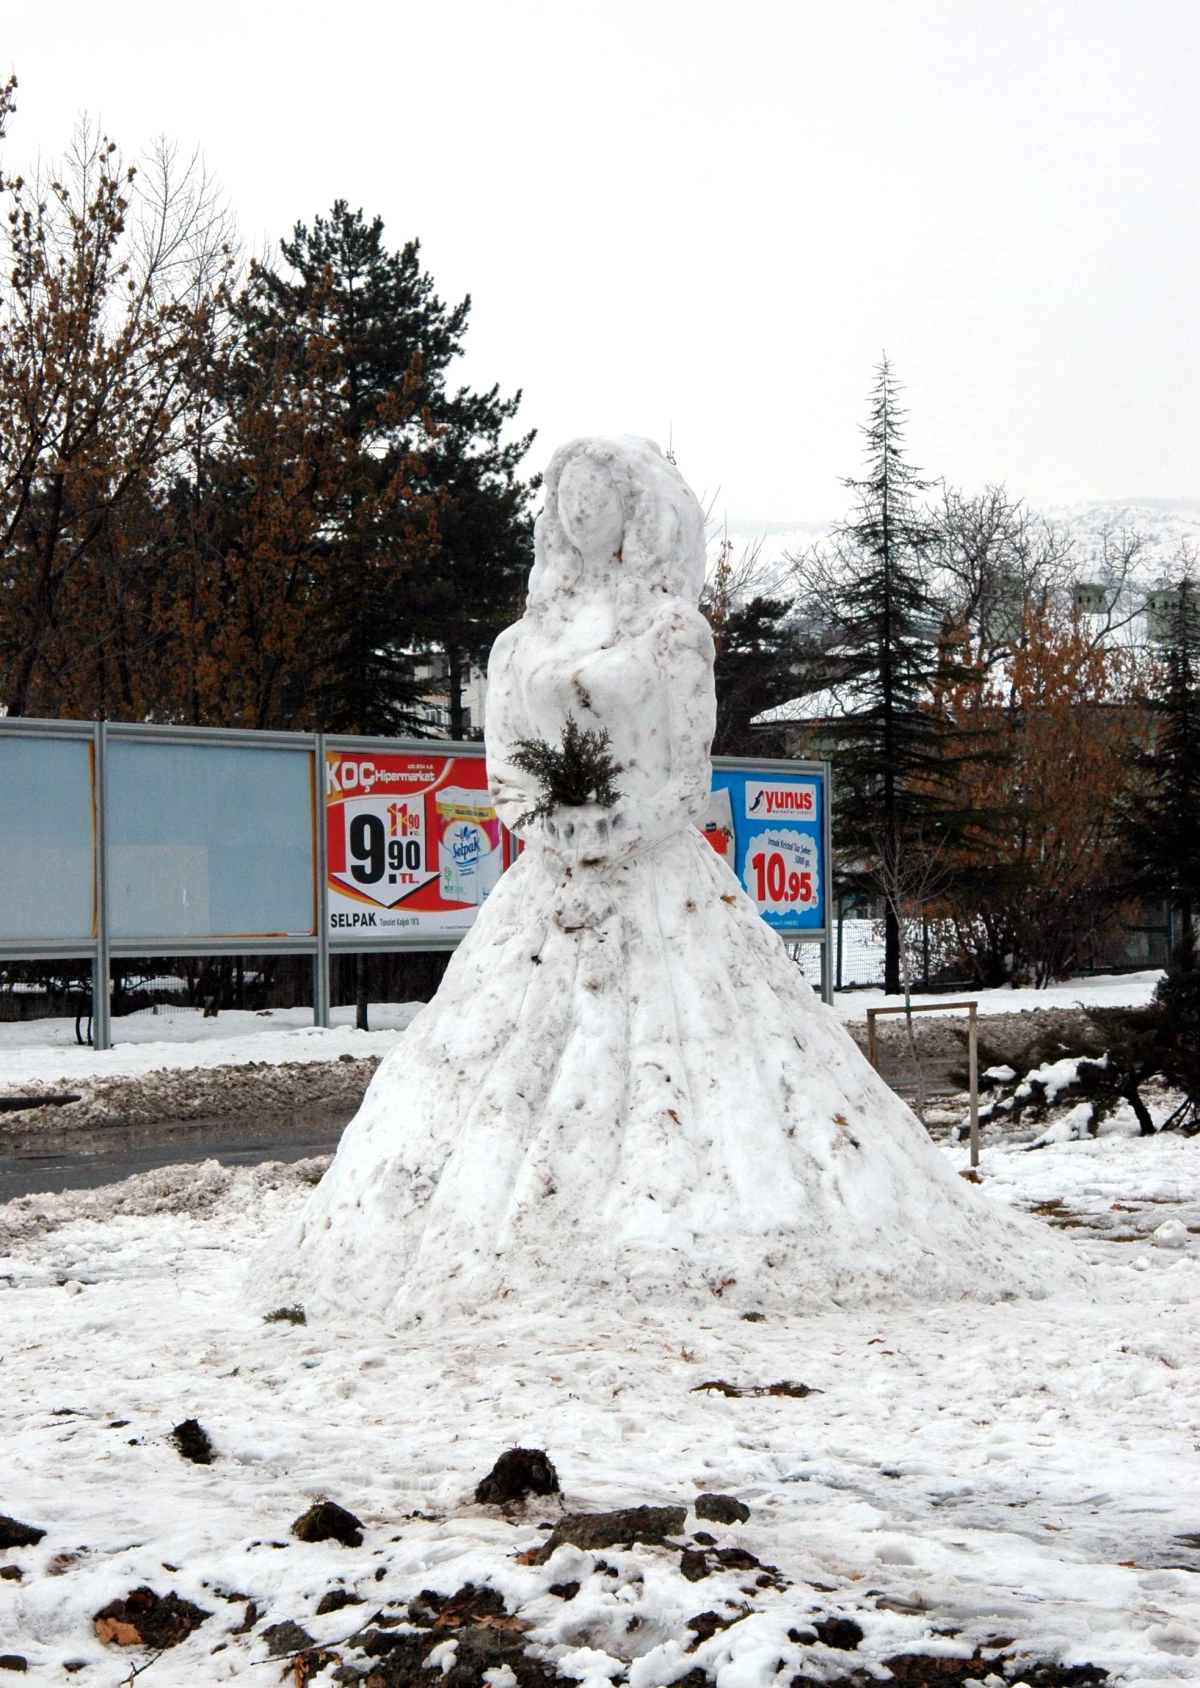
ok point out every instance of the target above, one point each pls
(972, 1009)
(973, 1068)
(827, 887)
(102, 960)
(322, 992)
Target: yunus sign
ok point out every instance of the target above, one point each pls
(770, 827)
(413, 846)
(768, 798)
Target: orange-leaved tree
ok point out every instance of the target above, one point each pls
(1036, 884)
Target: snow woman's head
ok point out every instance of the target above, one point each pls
(616, 511)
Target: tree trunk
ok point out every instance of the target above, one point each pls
(1141, 1112)
(454, 688)
(891, 951)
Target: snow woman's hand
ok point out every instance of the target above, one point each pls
(586, 834)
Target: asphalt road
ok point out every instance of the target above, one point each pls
(82, 1160)
(53, 1160)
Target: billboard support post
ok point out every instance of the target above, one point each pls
(827, 892)
(322, 991)
(102, 960)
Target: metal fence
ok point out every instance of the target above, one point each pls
(934, 960)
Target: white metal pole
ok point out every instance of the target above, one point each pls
(827, 885)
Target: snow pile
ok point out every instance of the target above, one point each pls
(1172, 1233)
(189, 1189)
(960, 1477)
(1047, 1082)
(624, 1088)
(1067, 1128)
(1041, 1091)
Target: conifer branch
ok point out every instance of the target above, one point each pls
(580, 771)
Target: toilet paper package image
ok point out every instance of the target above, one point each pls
(470, 857)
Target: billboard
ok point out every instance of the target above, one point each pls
(768, 824)
(413, 847)
(47, 839)
(123, 839)
(209, 840)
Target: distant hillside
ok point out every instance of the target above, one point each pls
(1168, 526)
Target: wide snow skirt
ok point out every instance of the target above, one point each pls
(653, 1103)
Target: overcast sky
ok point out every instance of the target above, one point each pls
(706, 218)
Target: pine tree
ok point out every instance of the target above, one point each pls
(397, 340)
(1177, 1001)
(894, 816)
(759, 656)
(1161, 1040)
(1162, 823)
(313, 546)
(476, 564)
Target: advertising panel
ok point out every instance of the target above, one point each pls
(768, 824)
(47, 839)
(413, 847)
(209, 840)
(119, 839)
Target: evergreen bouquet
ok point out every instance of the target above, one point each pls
(581, 770)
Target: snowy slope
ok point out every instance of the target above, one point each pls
(1168, 527)
(1099, 990)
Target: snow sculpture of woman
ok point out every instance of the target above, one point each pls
(623, 1084)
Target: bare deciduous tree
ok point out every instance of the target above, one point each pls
(989, 560)
(108, 307)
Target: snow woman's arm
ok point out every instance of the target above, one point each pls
(671, 709)
(687, 714)
(513, 792)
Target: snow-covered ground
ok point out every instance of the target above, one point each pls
(1097, 990)
(967, 1473)
(45, 1051)
(41, 1051)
